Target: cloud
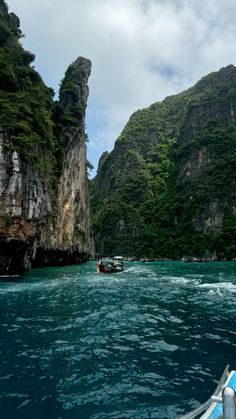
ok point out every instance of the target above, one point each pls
(141, 50)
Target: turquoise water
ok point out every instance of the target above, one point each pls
(149, 342)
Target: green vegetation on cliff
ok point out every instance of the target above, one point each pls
(168, 188)
(31, 123)
(26, 104)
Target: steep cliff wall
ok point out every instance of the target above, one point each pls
(44, 204)
(68, 238)
(24, 207)
(168, 187)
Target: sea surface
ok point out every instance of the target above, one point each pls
(149, 342)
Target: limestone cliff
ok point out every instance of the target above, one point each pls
(68, 237)
(168, 188)
(44, 203)
(24, 208)
(40, 227)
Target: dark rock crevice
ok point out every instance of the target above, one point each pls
(15, 256)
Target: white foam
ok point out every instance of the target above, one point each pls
(179, 280)
(217, 288)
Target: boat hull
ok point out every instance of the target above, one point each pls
(215, 411)
(107, 270)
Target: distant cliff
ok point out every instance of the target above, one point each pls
(44, 203)
(167, 189)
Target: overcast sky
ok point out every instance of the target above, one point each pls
(141, 51)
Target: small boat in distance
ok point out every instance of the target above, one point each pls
(110, 265)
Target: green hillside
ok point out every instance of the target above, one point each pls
(168, 188)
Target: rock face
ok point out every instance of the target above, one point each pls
(68, 238)
(24, 203)
(38, 226)
(168, 188)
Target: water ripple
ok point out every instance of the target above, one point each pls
(149, 343)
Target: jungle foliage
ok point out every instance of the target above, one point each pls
(167, 190)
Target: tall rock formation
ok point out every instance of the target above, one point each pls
(168, 188)
(68, 237)
(44, 204)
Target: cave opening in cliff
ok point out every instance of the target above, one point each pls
(12, 257)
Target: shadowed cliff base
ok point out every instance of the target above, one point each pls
(58, 257)
(14, 255)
